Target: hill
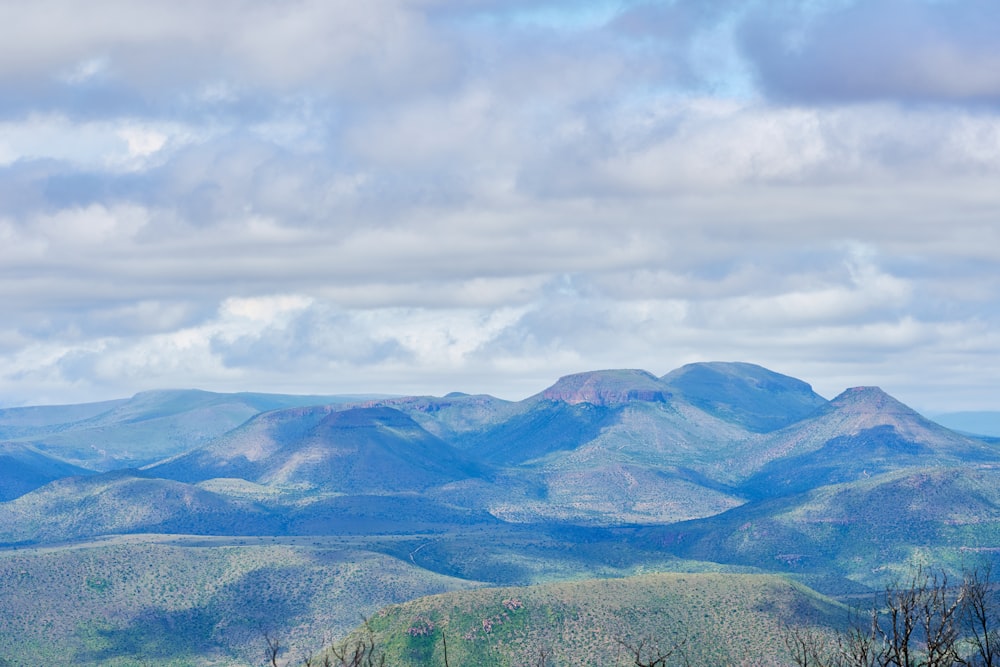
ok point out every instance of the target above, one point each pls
(713, 619)
(862, 531)
(177, 601)
(125, 502)
(713, 468)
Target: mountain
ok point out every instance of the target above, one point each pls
(610, 447)
(41, 419)
(24, 468)
(354, 450)
(713, 468)
(746, 394)
(450, 417)
(609, 388)
(861, 433)
(148, 427)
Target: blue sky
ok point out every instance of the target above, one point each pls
(421, 196)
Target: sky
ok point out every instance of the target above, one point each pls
(425, 196)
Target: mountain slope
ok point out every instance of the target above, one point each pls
(172, 601)
(570, 413)
(863, 530)
(143, 429)
(126, 502)
(860, 433)
(714, 619)
(357, 450)
(453, 416)
(24, 469)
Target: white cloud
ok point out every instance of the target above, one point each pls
(434, 195)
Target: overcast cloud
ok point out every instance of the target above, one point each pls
(422, 196)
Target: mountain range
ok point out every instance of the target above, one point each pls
(714, 467)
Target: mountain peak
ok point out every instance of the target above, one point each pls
(607, 388)
(868, 399)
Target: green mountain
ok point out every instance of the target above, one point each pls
(746, 394)
(356, 450)
(862, 531)
(714, 468)
(861, 433)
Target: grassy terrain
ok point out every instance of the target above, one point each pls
(718, 619)
(864, 530)
(125, 600)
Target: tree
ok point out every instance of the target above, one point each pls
(273, 650)
(980, 617)
(646, 653)
(359, 651)
(926, 622)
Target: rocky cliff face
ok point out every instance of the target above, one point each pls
(607, 388)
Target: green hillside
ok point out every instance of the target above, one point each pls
(718, 619)
(149, 601)
(867, 531)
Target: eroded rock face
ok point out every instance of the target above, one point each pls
(607, 388)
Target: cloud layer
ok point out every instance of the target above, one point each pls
(434, 195)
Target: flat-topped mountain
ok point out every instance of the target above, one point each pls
(607, 388)
(749, 395)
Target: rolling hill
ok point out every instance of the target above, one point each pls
(124, 502)
(136, 600)
(711, 619)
